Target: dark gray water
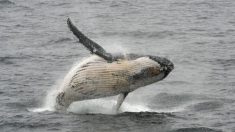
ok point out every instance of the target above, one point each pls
(37, 50)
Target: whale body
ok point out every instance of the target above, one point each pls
(104, 74)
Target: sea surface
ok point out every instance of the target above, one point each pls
(37, 50)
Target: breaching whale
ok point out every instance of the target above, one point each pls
(108, 75)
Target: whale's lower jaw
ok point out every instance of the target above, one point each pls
(145, 82)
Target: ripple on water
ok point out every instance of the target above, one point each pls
(166, 100)
(195, 129)
(6, 2)
(207, 106)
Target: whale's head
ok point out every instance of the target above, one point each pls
(152, 69)
(166, 66)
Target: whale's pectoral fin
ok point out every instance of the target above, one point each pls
(120, 100)
(92, 46)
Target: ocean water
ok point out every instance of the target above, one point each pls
(37, 50)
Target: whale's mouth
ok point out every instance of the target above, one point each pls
(166, 65)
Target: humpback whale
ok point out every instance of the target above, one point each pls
(108, 74)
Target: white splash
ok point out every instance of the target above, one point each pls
(93, 106)
(114, 46)
(49, 102)
(106, 105)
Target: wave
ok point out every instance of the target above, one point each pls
(195, 129)
(207, 106)
(6, 2)
(142, 34)
(10, 59)
(6, 60)
(28, 124)
(61, 40)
